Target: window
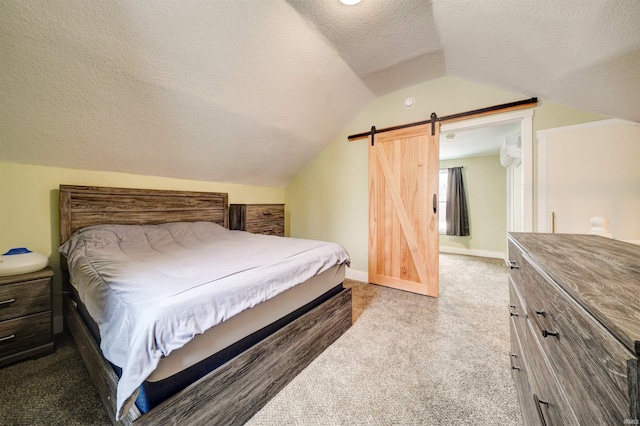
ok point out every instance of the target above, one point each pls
(442, 197)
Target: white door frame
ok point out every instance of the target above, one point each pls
(525, 116)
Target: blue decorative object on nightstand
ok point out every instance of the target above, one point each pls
(21, 260)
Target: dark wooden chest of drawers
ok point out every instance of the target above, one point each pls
(26, 321)
(575, 329)
(265, 219)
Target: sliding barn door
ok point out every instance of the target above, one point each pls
(403, 217)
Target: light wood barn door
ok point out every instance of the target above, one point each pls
(403, 216)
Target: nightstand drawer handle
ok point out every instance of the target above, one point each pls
(266, 213)
(12, 336)
(6, 302)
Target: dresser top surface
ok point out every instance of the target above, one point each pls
(601, 274)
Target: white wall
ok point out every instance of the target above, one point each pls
(590, 170)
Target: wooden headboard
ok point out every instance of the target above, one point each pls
(82, 206)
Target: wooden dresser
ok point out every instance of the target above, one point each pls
(26, 321)
(265, 219)
(575, 329)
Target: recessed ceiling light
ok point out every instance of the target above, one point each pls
(349, 2)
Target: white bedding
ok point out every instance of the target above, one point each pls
(152, 288)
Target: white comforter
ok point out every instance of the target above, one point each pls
(152, 288)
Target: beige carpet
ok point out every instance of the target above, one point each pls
(413, 360)
(407, 360)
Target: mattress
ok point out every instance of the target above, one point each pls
(247, 322)
(153, 288)
(225, 341)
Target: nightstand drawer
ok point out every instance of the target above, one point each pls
(267, 219)
(266, 228)
(25, 298)
(266, 212)
(24, 333)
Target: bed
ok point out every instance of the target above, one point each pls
(241, 361)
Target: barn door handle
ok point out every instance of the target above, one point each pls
(435, 204)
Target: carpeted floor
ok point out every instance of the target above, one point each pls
(407, 360)
(51, 390)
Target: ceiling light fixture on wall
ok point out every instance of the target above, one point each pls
(450, 136)
(409, 102)
(349, 2)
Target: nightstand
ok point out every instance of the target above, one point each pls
(265, 219)
(26, 318)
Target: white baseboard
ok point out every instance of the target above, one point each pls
(58, 324)
(472, 252)
(354, 274)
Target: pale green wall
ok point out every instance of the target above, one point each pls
(328, 199)
(485, 182)
(29, 215)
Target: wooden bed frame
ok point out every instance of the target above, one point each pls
(235, 391)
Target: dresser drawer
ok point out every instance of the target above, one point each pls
(520, 373)
(265, 212)
(517, 308)
(24, 333)
(550, 403)
(24, 298)
(589, 363)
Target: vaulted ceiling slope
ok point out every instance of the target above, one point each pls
(248, 91)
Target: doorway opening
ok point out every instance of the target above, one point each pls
(465, 143)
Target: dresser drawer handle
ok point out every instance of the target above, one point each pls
(266, 213)
(543, 330)
(6, 302)
(513, 314)
(511, 358)
(513, 265)
(11, 336)
(539, 404)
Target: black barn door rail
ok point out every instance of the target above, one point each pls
(435, 118)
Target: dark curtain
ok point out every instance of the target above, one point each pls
(457, 216)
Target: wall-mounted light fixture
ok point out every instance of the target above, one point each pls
(349, 2)
(409, 102)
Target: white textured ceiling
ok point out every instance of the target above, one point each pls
(476, 142)
(248, 91)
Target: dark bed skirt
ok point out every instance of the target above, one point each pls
(153, 393)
